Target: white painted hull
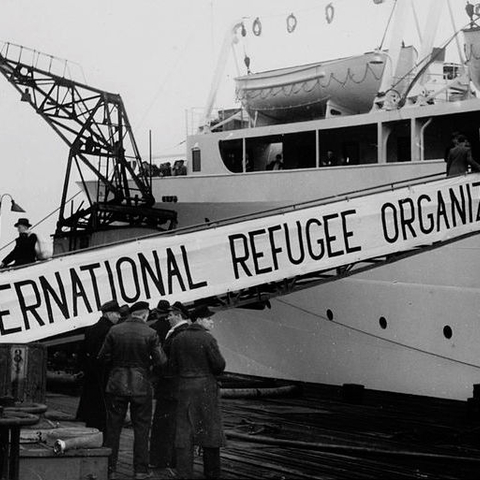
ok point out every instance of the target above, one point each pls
(418, 297)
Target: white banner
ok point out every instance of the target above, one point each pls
(65, 293)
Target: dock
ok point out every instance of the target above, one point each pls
(305, 431)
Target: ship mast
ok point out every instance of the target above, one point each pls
(388, 97)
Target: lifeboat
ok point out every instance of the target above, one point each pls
(336, 87)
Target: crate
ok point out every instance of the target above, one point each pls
(37, 461)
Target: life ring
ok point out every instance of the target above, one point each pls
(257, 27)
(329, 13)
(291, 23)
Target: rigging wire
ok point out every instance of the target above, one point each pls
(378, 337)
(165, 80)
(388, 25)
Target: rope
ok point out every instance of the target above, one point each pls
(378, 337)
(388, 24)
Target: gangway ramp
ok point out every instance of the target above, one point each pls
(244, 260)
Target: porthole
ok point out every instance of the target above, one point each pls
(447, 332)
(383, 322)
(329, 314)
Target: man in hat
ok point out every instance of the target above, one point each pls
(158, 319)
(91, 408)
(124, 313)
(162, 438)
(24, 250)
(130, 349)
(196, 360)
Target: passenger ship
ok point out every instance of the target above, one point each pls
(412, 326)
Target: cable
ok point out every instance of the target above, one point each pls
(378, 337)
(388, 24)
(43, 219)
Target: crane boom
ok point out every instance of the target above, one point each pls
(95, 126)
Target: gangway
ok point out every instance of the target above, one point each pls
(242, 261)
(95, 126)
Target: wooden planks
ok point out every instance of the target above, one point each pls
(389, 435)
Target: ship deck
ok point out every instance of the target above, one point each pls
(325, 432)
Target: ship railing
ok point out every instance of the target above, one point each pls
(29, 57)
(223, 119)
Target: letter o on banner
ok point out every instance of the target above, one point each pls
(329, 13)
(257, 27)
(291, 23)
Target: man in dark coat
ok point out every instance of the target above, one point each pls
(91, 408)
(196, 359)
(162, 437)
(158, 319)
(24, 250)
(460, 158)
(131, 348)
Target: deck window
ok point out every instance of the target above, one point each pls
(399, 143)
(196, 160)
(348, 145)
(231, 152)
(438, 133)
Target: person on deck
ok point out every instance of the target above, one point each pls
(92, 408)
(196, 360)
(162, 437)
(330, 159)
(276, 164)
(130, 349)
(24, 251)
(179, 168)
(460, 158)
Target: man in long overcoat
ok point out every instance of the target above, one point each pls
(196, 359)
(162, 437)
(92, 408)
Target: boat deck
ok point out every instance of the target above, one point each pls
(322, 432)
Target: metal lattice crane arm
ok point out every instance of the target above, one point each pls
(92, 122)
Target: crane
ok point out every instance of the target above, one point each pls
(95, 126)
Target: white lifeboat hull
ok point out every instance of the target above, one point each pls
(343, 86)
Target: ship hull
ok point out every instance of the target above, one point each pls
(388, 329)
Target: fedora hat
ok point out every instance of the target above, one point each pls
(24, 222)
(180, 308)
(163, 306)
(201, 312)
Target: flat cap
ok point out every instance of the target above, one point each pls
(139, 306)
(110, 306)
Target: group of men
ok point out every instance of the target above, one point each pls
(167, 354)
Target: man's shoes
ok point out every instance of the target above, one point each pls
(142, 476)
(171, 473)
